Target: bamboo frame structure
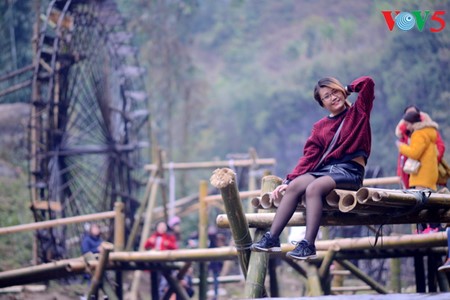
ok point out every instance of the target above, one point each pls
(366, 206)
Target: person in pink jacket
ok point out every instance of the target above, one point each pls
(403, 135)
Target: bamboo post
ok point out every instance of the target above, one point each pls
(100, 269)
(314, 286)
(119, 241)
(254, 284)
(203, 237)
(145, 233)
(137, 219)
(119, 226)
(273, 280)
(225, 180)
(324, 269)
(338, 275)
(396, 285)
(419, 271)
(252, 177)
(179, 277)
(175, 285)
(364, 277)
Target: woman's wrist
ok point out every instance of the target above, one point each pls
(286, 181)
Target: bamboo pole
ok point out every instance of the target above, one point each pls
(398, 197)
(264, 220)
(349, 203)
(58, 222)
(364, 277)
(254, 284)
(382, 181)
(105, 249)
(119, 226)
(396, 283)
(175, 285)
(225, 180)
(15, 87)
(252, 176)
(180, 275)
(214, 164)
(324, 269)
(244, 194)
(137, 219)
(222, 279)
(145, 232)
(11, 74)
(203, 237)
(57, 269)
(314, 285)
(340, 289)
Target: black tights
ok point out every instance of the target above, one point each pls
(314, 189)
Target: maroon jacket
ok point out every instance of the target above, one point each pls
(355, 136)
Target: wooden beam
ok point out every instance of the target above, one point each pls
(53, 223)
(214, 164)
(46, 205)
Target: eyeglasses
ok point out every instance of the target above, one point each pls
(327, 97)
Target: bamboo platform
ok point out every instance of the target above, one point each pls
(367, 206)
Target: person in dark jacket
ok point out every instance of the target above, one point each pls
(323, 168)
(91, 241)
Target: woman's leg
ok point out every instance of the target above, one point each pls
(288, 204)
(314, 194)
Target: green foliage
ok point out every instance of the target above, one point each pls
(14, 210)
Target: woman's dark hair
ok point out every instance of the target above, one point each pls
(411, 106)
(330, 82)
(412, 117)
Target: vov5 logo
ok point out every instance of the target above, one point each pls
(406, 20)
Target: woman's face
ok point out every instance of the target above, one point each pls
(333, 100)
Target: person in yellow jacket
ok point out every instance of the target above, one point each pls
(422, 147)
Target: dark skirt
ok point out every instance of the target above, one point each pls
(348, 175)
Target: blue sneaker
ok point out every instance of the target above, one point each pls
(303, 250)
(267, 244)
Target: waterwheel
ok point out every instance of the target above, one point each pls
(88, 125)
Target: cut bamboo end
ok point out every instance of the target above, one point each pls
(363, 195)
(347, 203)
(332, 199)
(266, 200)
(255, 202)
(222, 177)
